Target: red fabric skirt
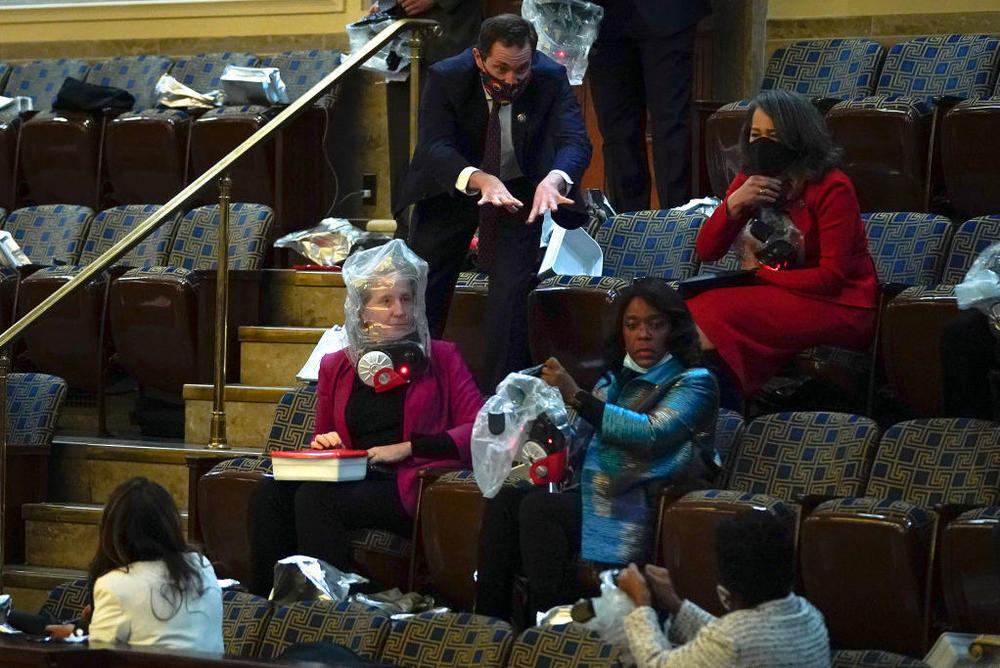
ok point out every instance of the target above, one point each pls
(757, 328)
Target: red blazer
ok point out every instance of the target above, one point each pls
(837, 267)
(445, 399)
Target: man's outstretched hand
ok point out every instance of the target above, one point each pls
(493, 191)
(548, 197)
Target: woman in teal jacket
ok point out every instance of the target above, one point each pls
(638, 431)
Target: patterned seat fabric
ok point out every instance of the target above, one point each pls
(244, 620)
(901, 512)
(907, 247)
(562, 646)
(202, 71)
(792, 455)
(448, 639)
(67, 601)
(938, 461)
(969, 240)
(51, 233)
(609, 283)
(650, 243)
(301, 70)
(136, 74)
(360, 628)
(828, 68)
(774, 505)
(41, 79)
(872, 658)
(729, 426)
(33, 403)
(473, 280)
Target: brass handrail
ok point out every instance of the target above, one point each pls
(129, 241)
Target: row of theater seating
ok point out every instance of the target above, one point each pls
(252, 627)
(923, 255)
(159, 297)
(914, 121)
(148, 154)
(153, 310)
(892, 528)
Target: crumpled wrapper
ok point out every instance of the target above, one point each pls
(302, 578)
(331, 242)
(253, 85)
(392, 60)
(172, 93)
(398, 605)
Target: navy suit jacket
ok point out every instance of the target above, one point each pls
(547, 130)
(661, 17)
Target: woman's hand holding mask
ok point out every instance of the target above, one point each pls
(555, 375)
(756, 191)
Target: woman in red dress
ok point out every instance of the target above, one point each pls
(827, 293)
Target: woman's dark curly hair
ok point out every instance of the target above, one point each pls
(800, 127)
(141, 523)
(683, 341)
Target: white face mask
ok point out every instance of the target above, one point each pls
(725, 598)
(630, 363)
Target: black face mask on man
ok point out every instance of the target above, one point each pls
(501, 91)
(769, 157)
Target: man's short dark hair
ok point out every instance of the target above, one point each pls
(509, 30)
(756, 557)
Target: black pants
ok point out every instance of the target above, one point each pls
(968, 353)
(536, 533)
(442, 229)
(630, 72)
(316, 519)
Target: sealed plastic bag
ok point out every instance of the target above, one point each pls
(329, 243)
(398, 605)
(981, 287)
(172, 93)
(302, 578)
(392, 60)
(253, 85)
(503, 425)
(566, 31)
(772, 238)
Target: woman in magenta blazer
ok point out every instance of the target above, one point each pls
(425, 420)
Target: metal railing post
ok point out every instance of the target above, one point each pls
(217, 438)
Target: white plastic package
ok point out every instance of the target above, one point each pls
(981, 287)
(519, 399)
(329, 243)
(253, 85)
(566, 31)
(393, 59)
(172, 93)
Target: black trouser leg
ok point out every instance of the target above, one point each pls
(440, 232)
(968, 352)
(619, 95)
(271, 529)
(550, 526)
(499, 554)
(327, 512)
(667, 69)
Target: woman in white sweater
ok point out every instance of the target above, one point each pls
(150, 588)
(767, 625)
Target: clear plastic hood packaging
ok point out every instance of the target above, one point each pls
(393, 59)
(253, 85)
(302, 578)
(566, 31)
(501, 427)
(981, 288)
(329, 243)
(172, 93)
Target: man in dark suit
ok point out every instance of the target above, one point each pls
(501, 141)
(642, 59)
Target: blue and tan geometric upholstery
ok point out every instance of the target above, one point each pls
(885, 135)
(920, 465)
(146, 149)
(51, 234)
(969, 146)
(822, 70)
(872, 658)
(970, 570)
(61, 151)
(170, 309)
(912, 323)
(562, 646)
(448, 639)
(464, 323)
(360, 628)
(650, 243)
(33, 404)
(40, 80)
(244, 620)
(304, 188)
(71, 338)
(795, 455)
(570, 323)
(729, 426)
(67, 600)
(687, 538)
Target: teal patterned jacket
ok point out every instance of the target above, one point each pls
(639, 447)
